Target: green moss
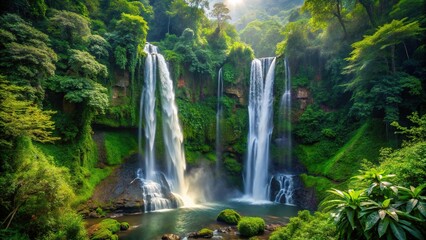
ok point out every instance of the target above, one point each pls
(205, 232)
(251, 226)
(232, 166)
(100, 212)
(326, 158)
(110, 224)
(229, 216)
(107, 228)
(124, 226)
(321, 184)
(119, 145)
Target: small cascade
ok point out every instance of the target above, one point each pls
(285, 116)
(281, 189)
(157, 194)
(219, 117)
(260, 127)
(159, 188)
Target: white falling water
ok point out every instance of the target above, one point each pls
(260, 127)
(148, 97)
(157, 187)
(285, 109)
(285, 194)
(219, 116)
(172, 133)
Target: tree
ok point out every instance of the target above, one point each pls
(99, 47)
(81, 90)
(129, 34)
(416, 133)
(221, 12)
(70, 26)
(40, 192)
(203, 4)
(377, 85)
(85, 65)
(20, 118)
(325, 10)
(24, 51)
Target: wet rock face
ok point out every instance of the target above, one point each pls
(120, 192)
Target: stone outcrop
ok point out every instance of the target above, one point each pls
(237, 92)
(304, 97)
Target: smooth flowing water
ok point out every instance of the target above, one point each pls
(172, 133)
(161, 189)
(147, 107)
(219, 116)
(285, 115)
(153, 225)
(260, 128)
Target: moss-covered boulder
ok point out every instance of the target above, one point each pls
(106, 229)
(205, 233)
(124, 226)
(251, 226)
(229, 216)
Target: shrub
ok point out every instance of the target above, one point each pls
(229, 216)
(251, 226)
(306, 226)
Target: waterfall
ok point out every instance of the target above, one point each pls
(219, 116)
(157, 187)
(172, 133)
(285, 110)
(281, 189)
(148, 97)
(260, 127)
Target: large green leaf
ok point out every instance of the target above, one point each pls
(411, 204)
(422, 208)
(386, 203)
(383, 226)
(412, 230)
(397, 231)
(350, 214)
(371, 220)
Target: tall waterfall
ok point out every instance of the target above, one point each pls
(260, 127)
(158, 187)
(148, 97)
(219, 116)
(285, 118)
(172, 133)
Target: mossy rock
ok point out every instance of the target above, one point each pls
(229, 216)
(251, 226)
(205, 233)
(110, 224)
(124, 226)
(105, 230)
(104, 234)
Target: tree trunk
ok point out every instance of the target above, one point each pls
(369, 9)
(338, 14)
